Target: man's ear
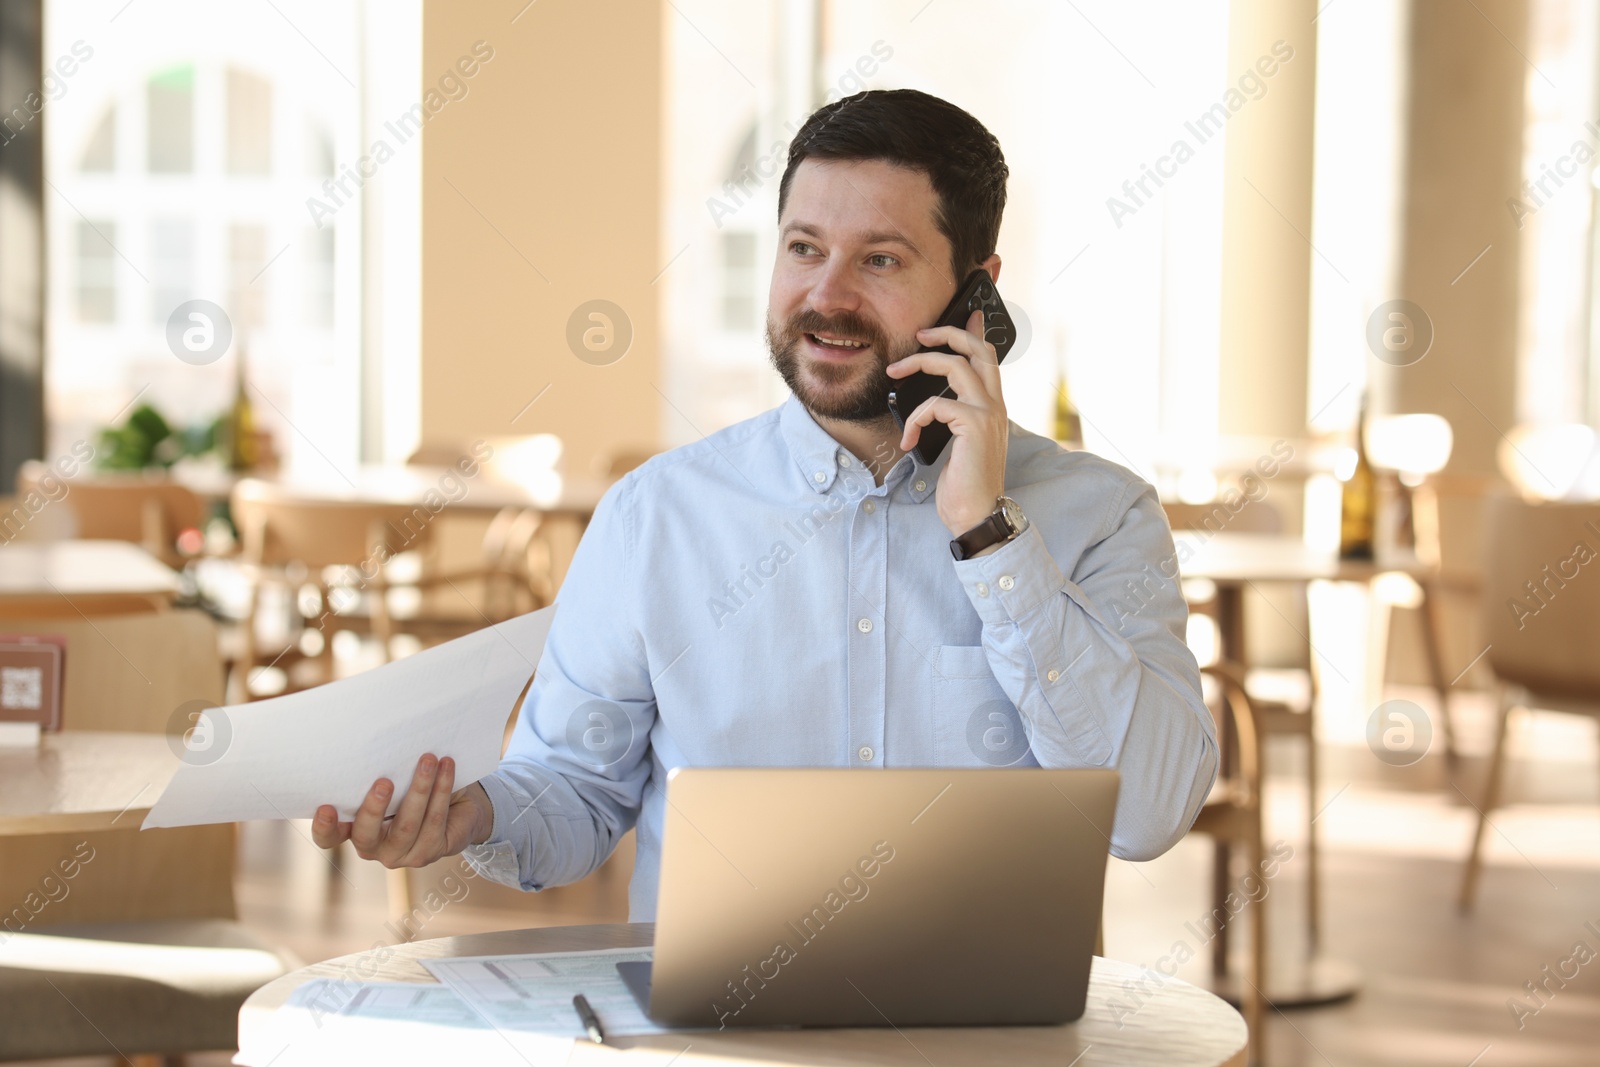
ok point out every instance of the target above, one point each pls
(992, 265)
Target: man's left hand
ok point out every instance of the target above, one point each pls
(975, 476)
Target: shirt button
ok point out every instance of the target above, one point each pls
(870, 507)
(819, 477)
(865, 754)
(920, 486)
(1053, 675)
(1007, 582)
(864, 625)
(983, 588)
(844, 460)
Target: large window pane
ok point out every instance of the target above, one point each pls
(97, 271)
(248, 277)
(249, 123)
(319, 277)
(170, 121)
(171, 266)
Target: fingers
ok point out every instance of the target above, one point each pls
(406, 825)
(952, 413)
(974, 371)
(326, 829)
(430, 842)
(964, 379)
(366, 833)
(415, 836)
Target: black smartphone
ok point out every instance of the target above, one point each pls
(976, 292)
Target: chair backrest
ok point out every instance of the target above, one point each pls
(129, 674)
(149, 511)
(1541, 595)
(277, 526)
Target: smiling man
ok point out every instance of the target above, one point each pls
(798, 590)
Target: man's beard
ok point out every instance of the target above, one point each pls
(825, 388)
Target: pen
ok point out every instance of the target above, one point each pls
(591, 1022)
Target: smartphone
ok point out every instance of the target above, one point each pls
(976, 292)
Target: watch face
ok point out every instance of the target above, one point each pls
(1013, 514)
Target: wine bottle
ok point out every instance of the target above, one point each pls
(1069, 427)
(242, 446)
(1358, 502)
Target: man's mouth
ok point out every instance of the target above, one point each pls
(841, 345)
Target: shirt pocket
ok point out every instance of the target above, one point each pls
(975, 723)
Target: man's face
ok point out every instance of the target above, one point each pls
(860, 264)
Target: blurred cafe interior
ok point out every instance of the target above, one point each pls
(280, 282)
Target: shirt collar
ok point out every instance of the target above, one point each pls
(818, 456)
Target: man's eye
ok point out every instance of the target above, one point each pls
(882, 260)
(801, 248)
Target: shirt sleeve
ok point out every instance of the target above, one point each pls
(571, 781)
(1098, 669)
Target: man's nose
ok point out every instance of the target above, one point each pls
(835, 290)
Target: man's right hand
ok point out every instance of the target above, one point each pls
(431, 822)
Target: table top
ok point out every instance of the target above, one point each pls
(80, 780)
(1165, 1021)
(1242, 557)
(410, 484)
(83, 568)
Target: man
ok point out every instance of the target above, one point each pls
(783, 592)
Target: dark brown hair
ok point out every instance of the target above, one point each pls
(912, 129)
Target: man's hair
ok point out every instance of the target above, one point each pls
(911, 129)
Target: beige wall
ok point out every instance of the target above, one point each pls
(1466, 84)
(1463, 160)
(540, 192)
(1266, 212)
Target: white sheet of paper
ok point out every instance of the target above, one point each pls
(283, 758)
(533, 992)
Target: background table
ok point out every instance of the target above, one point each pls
(1177, 1025)
(35, 577)
(81, 780)
(1236, 562)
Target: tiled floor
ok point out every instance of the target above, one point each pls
(1435, 983)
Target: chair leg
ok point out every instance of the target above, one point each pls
(1254, 998)
(1220, 873)
(1491, 798)
(1428, 617)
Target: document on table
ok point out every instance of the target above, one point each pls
(534, 992)
(332, 1022)
(282, 758)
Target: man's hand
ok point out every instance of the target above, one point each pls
(976, 475)
(431, 821)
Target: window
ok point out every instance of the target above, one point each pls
(1090, 94)
(249, 123)
(97, 292)
(172, 274)
(739, 281)
(169, 121)
(193, 147)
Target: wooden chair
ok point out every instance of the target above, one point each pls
(1272, 718)
(147, 511)
(1232, 816)
(513, 577)
(1541, 610)
(337, 548)
(341, 549)
(143, 954)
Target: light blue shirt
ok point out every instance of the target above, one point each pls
(755, 600)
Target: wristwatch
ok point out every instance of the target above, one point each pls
(1004, 523)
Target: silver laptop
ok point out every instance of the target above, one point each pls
(812, 897)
